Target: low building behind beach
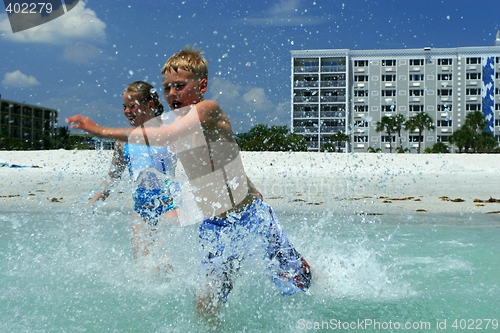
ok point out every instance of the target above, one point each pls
(27, 122)
(351, 90)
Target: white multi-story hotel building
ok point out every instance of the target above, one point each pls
(351, 91)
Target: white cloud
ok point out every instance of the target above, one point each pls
(104, 113)
(247, 106)
(18, 79)
(256, 96)
(81, 52)
(78, 24)
(285, 13)
(285, 7)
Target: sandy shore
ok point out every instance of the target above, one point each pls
(350, 183)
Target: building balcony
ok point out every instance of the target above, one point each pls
(305, 84)
(333, 114)
(333, 84)
(332, 129)
(305, 129)
(305, 114)
(306, 69)
(333, 69)
(305, 99)
(333, 99)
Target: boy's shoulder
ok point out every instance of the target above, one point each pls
(208, 104)
(214, 121)
(209, 110)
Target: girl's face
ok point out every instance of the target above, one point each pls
(137, 113)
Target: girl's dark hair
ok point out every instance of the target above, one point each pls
(146, 93)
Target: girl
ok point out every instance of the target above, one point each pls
(152, 169)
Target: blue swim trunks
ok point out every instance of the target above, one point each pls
(226, 242)
(152, 204)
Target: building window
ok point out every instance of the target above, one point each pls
(446, 61)
(473, 107)
(473, 91)
(445, 77)
(444, 123)
(361, 138)
(443, 138)
(473, 61)
(497, 122)
(388, 77)
(417, 77)
(391, 62)
(360, 78)
(416, 62)
(416, 138)
(474, 76)
(386, 138)
(361, 108)
(444, 107)
(389, 92)
(360, 123)
(445, 92)
(416, 92)
(360, 63)
(360, 93)
(416, 108)
(388, 108)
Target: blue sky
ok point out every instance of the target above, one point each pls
(81, 61)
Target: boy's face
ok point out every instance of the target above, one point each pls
(182, 88)
(136, 113)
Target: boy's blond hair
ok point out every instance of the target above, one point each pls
(189, 59)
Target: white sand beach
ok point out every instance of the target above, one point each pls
(349, 183)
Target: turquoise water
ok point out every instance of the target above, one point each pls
(64, 271)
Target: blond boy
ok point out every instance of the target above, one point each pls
(237, 222)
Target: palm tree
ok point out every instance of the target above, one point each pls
(399, 122)
(486, 142)
(477, 122)
(422, 121)
(62, 138)
(386, 124)
(462, 138)
(275, 138)
(339, 137)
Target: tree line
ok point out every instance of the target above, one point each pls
(62, 140)
(472, 135)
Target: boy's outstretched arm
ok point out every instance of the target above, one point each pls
(158, 136)
(84, 123)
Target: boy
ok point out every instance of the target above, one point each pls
(237, 223)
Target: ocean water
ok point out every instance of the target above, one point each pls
(63, 270)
